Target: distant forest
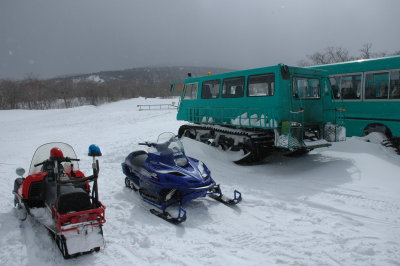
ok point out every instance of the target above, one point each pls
(96, 88)
(109, 86)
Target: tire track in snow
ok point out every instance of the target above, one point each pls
(304, 221)
(364, 202)
(385, 212)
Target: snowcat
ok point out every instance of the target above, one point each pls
(259, 112)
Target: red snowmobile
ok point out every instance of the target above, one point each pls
(59, 196)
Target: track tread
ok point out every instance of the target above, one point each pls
(255, 144)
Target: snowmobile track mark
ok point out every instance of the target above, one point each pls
(361, 201)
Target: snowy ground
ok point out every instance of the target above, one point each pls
(335, 206)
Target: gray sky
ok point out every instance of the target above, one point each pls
(49, 37)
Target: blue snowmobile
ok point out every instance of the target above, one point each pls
(165, 175)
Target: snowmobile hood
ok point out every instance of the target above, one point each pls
(193, 170)
(167, 160)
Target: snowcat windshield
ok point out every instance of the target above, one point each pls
(43, 153)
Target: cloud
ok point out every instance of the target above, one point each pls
(63, 37)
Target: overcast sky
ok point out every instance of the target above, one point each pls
(48, 38)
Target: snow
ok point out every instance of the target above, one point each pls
(94, 78)
(315, 142)
(335, 206)
(334, 132)
(86, 240)
(287, 141)
(264, 121)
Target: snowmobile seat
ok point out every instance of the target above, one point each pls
(136, 159)
(73, 199)
(34, 188)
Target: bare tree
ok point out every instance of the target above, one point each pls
(329, 55)
(338, 54)
(366, 51)
(9, 94)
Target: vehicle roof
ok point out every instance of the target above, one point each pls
(253, 71)
(361, 65)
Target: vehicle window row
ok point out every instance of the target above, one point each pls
(377, 86)
(257, 86)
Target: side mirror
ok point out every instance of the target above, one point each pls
(20, 171)
(285, 72)
(94, 150)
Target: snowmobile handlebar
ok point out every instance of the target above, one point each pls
(40, 163)
(149, 144)
(66, 159)
(80, 180)
(158, 146)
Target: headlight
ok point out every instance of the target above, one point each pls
(182, 161)
(202, 169)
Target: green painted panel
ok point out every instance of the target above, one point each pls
(378, 93)
(266, 112)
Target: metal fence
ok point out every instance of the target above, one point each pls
(150, 107)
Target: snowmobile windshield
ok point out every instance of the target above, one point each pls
(43, 153)
(168, 144)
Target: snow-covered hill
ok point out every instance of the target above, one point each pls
(335, 206)
(147, 74)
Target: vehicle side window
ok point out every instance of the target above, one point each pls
(191, 90)
(395, 84)
(233, 87)
(210, 89)
(350, 87)
(335, 81)
(376, 85)
(261, 85)
(306, 88)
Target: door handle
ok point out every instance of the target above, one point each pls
(297, 111)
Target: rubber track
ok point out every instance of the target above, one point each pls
(259, 140)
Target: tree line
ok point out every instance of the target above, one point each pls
(33, 93)
(331, 55)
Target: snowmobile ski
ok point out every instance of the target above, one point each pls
(216, 194)
(20, 210)
(169, 218)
